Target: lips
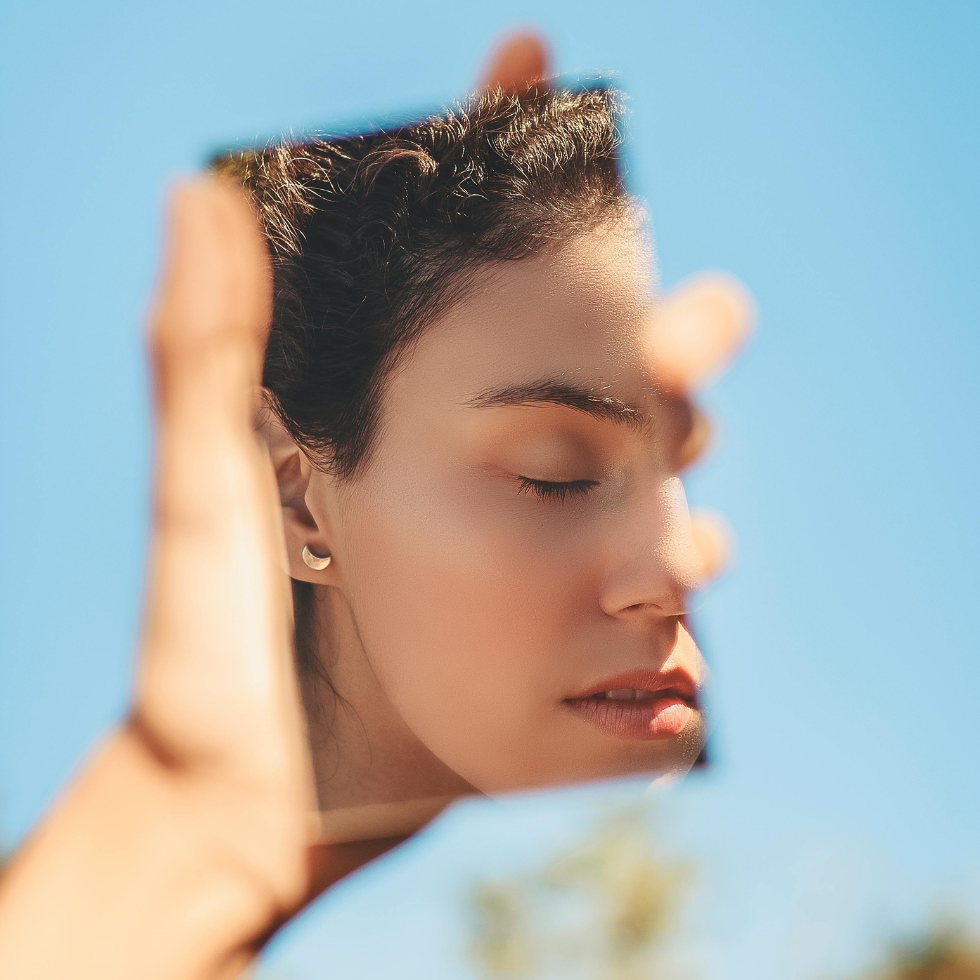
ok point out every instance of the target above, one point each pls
(639, 704)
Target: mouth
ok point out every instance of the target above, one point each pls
(641, 704)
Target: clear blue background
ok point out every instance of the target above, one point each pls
(828, 154)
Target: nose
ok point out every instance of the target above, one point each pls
(655, 558)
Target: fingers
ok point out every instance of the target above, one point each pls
(517, 62)
(217, 699)
(692, 336)
(207, 338)
(216, 631)
(713, 541)
(215, 299)
(696, 330)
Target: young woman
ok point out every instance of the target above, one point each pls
(466, 433)
(476, 424)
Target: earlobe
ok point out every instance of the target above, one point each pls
(303, 533)
(307, 538)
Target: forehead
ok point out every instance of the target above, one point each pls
(575, 313)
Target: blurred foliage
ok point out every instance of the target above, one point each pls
(609, 908)
(946, 953)
(599, 909)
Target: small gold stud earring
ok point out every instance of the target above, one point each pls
(317, 564)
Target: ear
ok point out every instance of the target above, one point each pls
(300, 527)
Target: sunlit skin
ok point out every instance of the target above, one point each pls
(465, 603)
(185, 838)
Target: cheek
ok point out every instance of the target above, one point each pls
(467, 603)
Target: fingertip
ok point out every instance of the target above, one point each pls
(232, 197)
(519, 60)
(187, 202)
(185, 220)
(723, 282)
(213, 303)
(210, 197)
(698, 328)
(734, 304)
(714, 541)
(248, 250)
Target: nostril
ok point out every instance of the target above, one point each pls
(637, 607)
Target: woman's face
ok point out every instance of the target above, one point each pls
(516, 551)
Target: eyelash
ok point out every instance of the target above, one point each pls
(547, 490)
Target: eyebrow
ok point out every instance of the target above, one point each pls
(552, 391)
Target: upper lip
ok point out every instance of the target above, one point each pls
(676, 679)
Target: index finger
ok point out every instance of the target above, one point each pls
(214, 664)
(696, 330)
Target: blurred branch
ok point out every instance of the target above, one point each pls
(601, 907)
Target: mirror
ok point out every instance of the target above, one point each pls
(489, 542)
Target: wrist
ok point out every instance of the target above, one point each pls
(119, 882)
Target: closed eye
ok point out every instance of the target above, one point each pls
(549, 490)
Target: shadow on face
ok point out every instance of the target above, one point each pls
(509, 568)
(464, 423)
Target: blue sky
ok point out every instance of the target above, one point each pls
(827, 154)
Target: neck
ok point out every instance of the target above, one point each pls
(363, 751)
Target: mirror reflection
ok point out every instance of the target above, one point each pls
(488, 539)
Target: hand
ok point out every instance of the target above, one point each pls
(217, 708)
(693, 332)
(184, 840)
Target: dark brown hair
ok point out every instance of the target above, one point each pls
(372, 235)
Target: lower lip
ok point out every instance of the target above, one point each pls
(664, 717)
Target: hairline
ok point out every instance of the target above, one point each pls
(624, 211)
